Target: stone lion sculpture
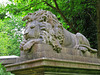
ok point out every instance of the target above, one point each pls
(43, 27)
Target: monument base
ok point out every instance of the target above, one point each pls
(46, 66)
(46, 51)
(43, 60)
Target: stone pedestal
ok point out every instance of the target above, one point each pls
(43, 60)
(47, 66)
(46, 51)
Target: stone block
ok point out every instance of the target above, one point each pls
(43, 60)
(46, 51)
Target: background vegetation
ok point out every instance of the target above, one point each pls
(3, 71)
(75, 15)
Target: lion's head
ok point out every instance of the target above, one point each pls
(44, 25)
(32, 30)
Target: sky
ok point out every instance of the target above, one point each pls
(5, 2)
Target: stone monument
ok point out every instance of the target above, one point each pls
(43, 27)
(49, 46)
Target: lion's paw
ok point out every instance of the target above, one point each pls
(26, 47)
(76, 47)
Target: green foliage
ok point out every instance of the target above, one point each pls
(10, 35)
(80, 13)
(3, 71)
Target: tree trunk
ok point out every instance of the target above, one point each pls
(98, 26)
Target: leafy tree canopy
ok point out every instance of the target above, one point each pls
(75, 15)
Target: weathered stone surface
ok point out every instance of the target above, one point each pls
(49, 49)
(46, 51)
(43, 27)
(8, 59)
(51, 66)
(43, 60)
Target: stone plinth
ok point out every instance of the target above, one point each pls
(48, 66)
(43, 60)
(46, 51)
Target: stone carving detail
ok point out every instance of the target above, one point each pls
(43, 27)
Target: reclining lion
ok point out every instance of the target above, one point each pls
(44, 27)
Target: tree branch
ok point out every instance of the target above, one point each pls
(50, 5)
(62, 15)
(91, 18)
(58, 10)
(56, 4)
(55, 8)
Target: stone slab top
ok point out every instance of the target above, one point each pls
(51, 59)
(52, 62)
(7, 57)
